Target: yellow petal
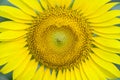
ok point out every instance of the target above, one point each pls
(47, 74)
(34, 4)
(52, 3)
(110, 43)
(15, 12)
(106, 48)
(108, 30)
(6, 47)
(60, 75)
(2, 30)
(83, 75)
(77, 74)
(99, 73)
(77, 4)
(21, 68)
(14, 61)
(80, 5)
(68, 74)
(93, 6)
(6, 15)
(58, 2)
(112, 22)
(3, 61)
(39, 74)
(9, 53)
(53, 76)
(13, 25)
(89, 72)
(109, 36)
(29, 71)
(107, 66)
(105, 17)
(102, 10)
(25, 8)
(73, 75)
(86, 5)
(83, 6)
(64, 75)
(106, 74)
(108, 56)
(44, 4)
(65, 3)
(9, 35)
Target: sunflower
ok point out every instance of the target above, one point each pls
(60, 40)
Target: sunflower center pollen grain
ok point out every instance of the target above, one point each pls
(59, 38)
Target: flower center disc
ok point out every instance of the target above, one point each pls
(59, 38)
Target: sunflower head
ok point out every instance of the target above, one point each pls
(60, 40)
(59, 37)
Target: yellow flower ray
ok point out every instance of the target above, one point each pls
(23, 7)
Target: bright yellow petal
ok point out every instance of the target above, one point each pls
(47, 74)
(29, 71)
(53, 75)
(3, 60)
(106, 74)
(81, 5)
(85, 5)
(34, 4)
(106, 48)
(44, 4)
(107, 66)
(105, 17)
(6, 15)
(67, 74)
(60, 75)
(110, 43)
(93, 6)
(89, 72)
(73, 75)
(77, 74)
(102, 10)
(109, 36)
(15, 12)
(13, 25)
(9, 35)
(99, 73)
(14, 61)
(6, 47)
(112, 22)
(9, 53)
(108, 30)
(108, 56)
(58, 2)
(25, 8)
(83, 75)
(65, 3)
(64, 75)
(51, 2)
(39, 74)
(77, 4)
(2, 30)
(21, 68)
